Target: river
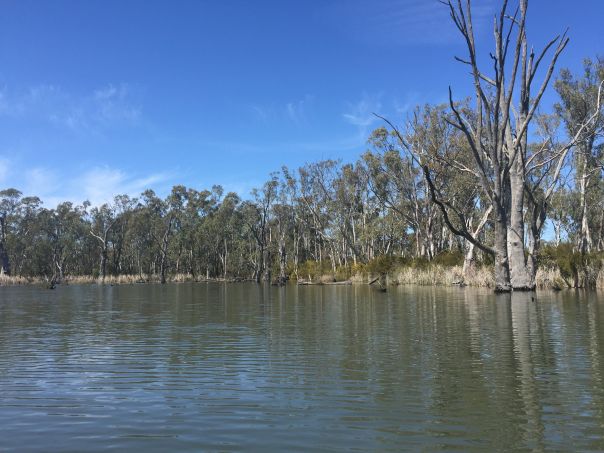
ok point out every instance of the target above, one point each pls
(245, 367)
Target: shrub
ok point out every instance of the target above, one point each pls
(449, 258)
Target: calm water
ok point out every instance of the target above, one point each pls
(209, 367)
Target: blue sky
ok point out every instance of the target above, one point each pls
(105, 97)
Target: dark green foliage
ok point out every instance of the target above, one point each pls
(577, 270)
(449, 258)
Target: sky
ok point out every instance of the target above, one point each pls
(99, 98)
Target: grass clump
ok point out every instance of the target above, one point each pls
(576, 270)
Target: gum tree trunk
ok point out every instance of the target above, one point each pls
(502, 265)
(521, 278)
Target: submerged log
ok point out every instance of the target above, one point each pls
(311, 283)
(381, 281)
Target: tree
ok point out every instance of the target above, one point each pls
(497, 131)
(580, 108)
(9, 202)
(103, 219)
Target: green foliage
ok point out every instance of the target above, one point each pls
(449, 258)
(314, 269)
(577, 270)
(384, 264)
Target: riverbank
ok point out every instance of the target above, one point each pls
(432, 275)
(110, 280)
(481, 277)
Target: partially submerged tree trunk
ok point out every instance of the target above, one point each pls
(521, 277)
(500, 247)
(469, 261)
(496, 133)
(282, 262)
(4, 261)
(585, 242)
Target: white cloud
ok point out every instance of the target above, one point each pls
(101, 184)
(361, 113)
(294, 111)
(97, 184)
(41, 182)
(402, 22)
(114, 103)
(104, 107)
(261, 113)
(297, 110)
(4, 169)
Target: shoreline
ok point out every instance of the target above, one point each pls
(437, 275)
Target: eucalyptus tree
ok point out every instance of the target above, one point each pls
(257, 217)
(395, 181)
(102, 221)
(227, 223)
(497, 131)
(26, 247)
(160, 218)
(580, 108)
(316, 181)
(290, 196)
(443, 149)
(65, 230)
(9, 203)
(191, 213)
(347, 200)
(124, 207)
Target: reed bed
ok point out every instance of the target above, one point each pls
(13, 280)
(438, 275)
(547, 278)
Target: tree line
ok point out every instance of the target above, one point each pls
(480, 178)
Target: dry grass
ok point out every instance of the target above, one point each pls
(327, 278)
(600, 279)
(549, 278)
(481, 277)
(89, 279)
(109, 279)
(9, 280)
(429, 276)
(438, 275)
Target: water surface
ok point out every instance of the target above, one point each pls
(243, 367)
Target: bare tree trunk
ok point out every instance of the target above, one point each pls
(267, 265)
(282, 262)
(557, 232)
(502, 265)
(520, 277)
(103, 264)
(260, 266)
(226, 255)
(4, 261)
(162, 268)
(468, 264)
(585, 242)
(601, 234)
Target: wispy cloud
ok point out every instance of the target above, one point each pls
(401, 22)
(260, 112)
(107, 106)
(41, 182)
(297, 110)
(361, 113)
(4, 168)
(99, 184)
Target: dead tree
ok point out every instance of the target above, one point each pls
(497, 128)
